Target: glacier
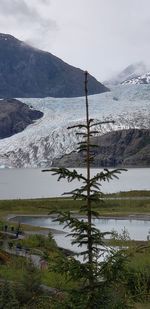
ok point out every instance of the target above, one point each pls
(48, 138)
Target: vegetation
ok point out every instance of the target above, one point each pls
(107, 278)
(7, 296)
(39, 242)
(130, 194)
(112, 207)
(18, 271)
(102, 284)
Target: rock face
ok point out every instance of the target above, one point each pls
(124, 148)
(29, 72)
(15, 116)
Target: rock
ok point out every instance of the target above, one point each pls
(15, 116)
(123, 148)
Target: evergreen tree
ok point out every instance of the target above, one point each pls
(92, 290)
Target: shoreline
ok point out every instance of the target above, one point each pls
(145, 217)
(30, 229)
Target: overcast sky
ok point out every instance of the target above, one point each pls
(101, 36)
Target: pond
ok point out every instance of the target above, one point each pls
(138, 229)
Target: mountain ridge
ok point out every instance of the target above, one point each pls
(29, 72)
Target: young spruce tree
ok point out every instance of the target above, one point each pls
(92, 288)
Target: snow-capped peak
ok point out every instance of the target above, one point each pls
(143, 79)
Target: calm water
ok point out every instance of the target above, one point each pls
(32, 183)
(137, 229)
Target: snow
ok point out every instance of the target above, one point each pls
(130, 72)
(48, 137)
(143, 79)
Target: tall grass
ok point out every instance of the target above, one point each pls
(46, 206)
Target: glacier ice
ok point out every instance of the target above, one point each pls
(48, 137)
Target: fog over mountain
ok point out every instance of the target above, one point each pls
(130, 72)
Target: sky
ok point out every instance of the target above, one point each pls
(101, 36)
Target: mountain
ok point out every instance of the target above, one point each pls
(142, 79)
(48, 138)
(29, 72)
(131, 71)
(129, 148)
(15, 116)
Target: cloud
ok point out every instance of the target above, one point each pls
(101, 36)
(19, 9)
(27, 19)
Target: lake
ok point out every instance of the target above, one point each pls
(32, 183)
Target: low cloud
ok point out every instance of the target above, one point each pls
(27, 20)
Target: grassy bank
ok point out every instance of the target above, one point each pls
(125, 203)
(133, 193)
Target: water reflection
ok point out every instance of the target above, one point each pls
(137, 229)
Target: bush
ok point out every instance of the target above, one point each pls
(8, 298)
(39, 242)
(139, 283)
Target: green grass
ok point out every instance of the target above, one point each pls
(142, 306)
(141, 259)
(132, 193)
(116, 207)
(39, 242)
(36, 206)
(58, 281)
(110, 207)
(14, 269)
